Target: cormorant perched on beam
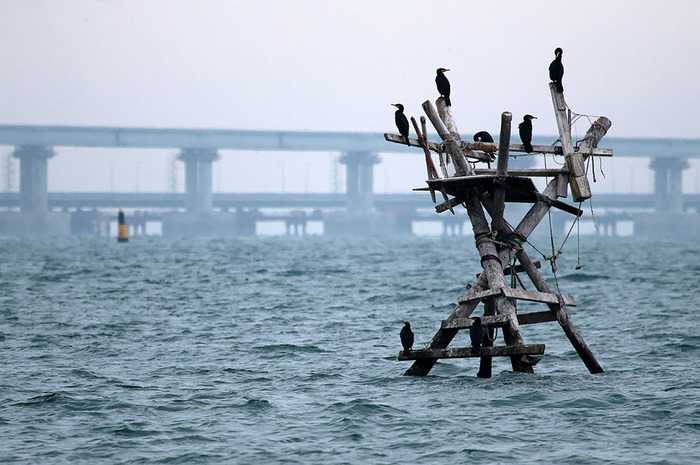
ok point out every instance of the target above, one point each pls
(406, 337)
(401, 121)
(525, 130)
(483, 136)
(443, 85)
(476, 333)
(556, 69)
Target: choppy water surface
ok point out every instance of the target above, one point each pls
(278, 350)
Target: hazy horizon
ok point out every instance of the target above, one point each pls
(335, 66)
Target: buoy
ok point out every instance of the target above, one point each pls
(122, 231)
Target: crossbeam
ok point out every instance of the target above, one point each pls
(492, 147)
(464, 352)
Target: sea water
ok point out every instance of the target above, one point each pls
(284, 350)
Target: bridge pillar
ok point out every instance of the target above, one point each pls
(198, 179)
(33, 179)
(668, 186)
(359, 179)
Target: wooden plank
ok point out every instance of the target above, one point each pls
(488, 147)
(451, 203)
(464, 323)
(536, 317)
(398, 139)
(524, 172)
(478, 296)
(464, 352)
(535, 296)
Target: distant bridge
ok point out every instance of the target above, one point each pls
(199, 148)
(226, 201)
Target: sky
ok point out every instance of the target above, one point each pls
(333, 66)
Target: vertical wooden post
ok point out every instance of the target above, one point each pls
(499, 196)
(580, 188)
(485, 363)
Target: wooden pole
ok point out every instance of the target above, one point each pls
(499, 195)
(485, 363)
(580, 188)
(451, 145)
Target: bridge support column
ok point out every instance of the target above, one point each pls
(34, 217)
(668, 186)
(198, 179)
(359, 180)
(33, 178)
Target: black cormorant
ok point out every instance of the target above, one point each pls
(483, 136)
(476, 332)
(443, 85)
(525, 130)
(556, 70)
(401, 121)
(406, 337)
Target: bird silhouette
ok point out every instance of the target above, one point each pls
(525, 130)
(556, 69)
(401, 121)
(406, 337)
(443, 85)
(476, 332)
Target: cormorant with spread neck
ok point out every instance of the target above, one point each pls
(406, 337)
(556, 70)
(443, 85)
(525, 130)
(401, 121)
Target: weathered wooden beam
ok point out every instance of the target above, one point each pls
(463, 352)
(535, 296)
(520, 294)
(486, 321)
(558, 150)
(580, 188)
(452, 147)
(533, 172)
(398, 139)
(536, 317)
(499, 194)
(488, 147)
(500, 320)
(477, 296)
(449, 205)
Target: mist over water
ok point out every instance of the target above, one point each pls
(283, 350)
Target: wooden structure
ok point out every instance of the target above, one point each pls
(499, 244)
